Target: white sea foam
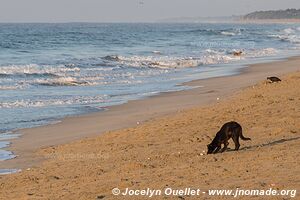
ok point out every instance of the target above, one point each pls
(53, 102)
(8, 136)
(157, 62)
(168, 62)
(61, 81)
(228, 33)
(210, 56)
(156, 52)
(291, 35)
(11, 87)
(33, 69)
(289, 31)
(260, 52)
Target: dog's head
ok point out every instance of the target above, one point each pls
(210, 148)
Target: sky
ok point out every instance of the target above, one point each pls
(130, 10)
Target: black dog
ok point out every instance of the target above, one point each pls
(273, 79)
(229, 130)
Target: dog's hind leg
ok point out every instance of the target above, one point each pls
(235, 139)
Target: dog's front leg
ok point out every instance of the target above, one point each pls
(225, 147)
(217, 149)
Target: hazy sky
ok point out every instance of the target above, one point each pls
(129, 10)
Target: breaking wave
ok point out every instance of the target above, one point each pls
(19, 77)
(30, 103)
(11, 87)
(291, 35)
(228, 33)
(210, 32)
(35, 70)
(166, 62)
(62, 81)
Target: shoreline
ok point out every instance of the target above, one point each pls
(170, 152)
(134, 113)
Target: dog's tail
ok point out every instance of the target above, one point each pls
(241, 135)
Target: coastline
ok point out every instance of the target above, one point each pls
(136, 112)
(170, 151)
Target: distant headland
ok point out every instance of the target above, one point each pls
(271, 16)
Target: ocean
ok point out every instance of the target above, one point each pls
(50, 71)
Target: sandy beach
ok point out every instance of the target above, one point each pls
(160, 142)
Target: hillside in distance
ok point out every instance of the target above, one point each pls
(273, 14)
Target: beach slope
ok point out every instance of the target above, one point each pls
(170, 151)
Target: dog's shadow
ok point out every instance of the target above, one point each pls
(267, 144)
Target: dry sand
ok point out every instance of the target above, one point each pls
(168, 151)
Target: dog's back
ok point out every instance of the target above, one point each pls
(231, 126)
(273, 79)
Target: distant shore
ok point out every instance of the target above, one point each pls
(238, 21)
(270, 21)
